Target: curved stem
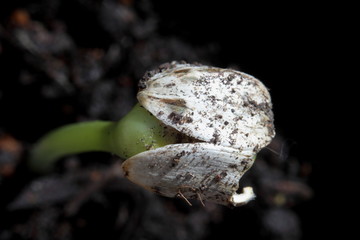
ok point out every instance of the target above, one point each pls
(138, 131)
(71, 139)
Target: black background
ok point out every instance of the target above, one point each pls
(289, 47)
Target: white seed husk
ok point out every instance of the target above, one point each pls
(221, 106)
(228, 113)
(201, 171)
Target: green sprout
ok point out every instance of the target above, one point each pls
(136, 132)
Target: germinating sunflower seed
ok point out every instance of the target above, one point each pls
(229, 115)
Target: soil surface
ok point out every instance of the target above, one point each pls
(70, 61)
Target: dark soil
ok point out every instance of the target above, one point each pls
(74, 60)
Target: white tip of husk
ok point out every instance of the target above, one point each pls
(243, 198)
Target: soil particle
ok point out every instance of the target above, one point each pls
(175, 102)
(179, 119)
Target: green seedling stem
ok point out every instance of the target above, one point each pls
(138, 131)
